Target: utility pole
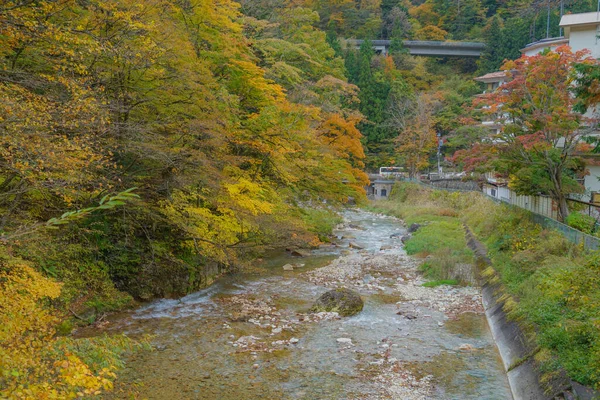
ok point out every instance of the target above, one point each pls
(562, 11)
(439, 152)
(548, 19)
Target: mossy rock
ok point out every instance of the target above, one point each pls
(345, 302)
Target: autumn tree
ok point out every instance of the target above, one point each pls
(418, 139)
(537, 147)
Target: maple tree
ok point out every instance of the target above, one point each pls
(541, 133)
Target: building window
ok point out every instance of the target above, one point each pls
(493, 192)
(383, 193)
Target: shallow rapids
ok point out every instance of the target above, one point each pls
(251, 336)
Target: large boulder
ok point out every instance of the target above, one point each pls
(345, 302)
(413, 228)
(288, 267)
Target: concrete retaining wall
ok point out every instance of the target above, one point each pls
(515, 350)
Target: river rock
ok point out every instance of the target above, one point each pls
(357, 227)
(288, 267)
(413, 228)
(247, 339)
(405, 238)
(407, 314)
(395, 235)
(345, 302)
(385, 247)
(355, 246)
(344, 340)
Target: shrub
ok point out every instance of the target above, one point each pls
(33, 362)
(581, 222)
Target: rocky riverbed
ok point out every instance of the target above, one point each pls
(252, 336)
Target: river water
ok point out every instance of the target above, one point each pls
(250, 336)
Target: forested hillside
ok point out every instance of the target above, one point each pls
(232, 123)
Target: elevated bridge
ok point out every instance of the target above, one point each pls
(429, 48)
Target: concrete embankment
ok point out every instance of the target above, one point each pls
(515, 349)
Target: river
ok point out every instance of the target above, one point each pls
(250, 336)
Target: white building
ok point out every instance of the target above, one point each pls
(582, 30)
(493, 81)
(580, 33)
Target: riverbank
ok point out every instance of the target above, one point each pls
(251, 336)
(546, 285)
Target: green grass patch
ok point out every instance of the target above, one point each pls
(441, 282)
(438, 235)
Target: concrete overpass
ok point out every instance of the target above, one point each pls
(429, 48)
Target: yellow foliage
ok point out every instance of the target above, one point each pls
(249, 196)
(431, 32)
(34, 364)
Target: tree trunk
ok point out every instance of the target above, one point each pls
(559, 196)
(563, 207)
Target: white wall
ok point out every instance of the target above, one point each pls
(504, 193)
(585, 38)
(591, 181)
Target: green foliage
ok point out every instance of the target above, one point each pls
(35, 362)
(321, 222)
(441, 282)
(584, 223)
(586, 88)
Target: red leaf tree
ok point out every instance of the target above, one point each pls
(536, 148)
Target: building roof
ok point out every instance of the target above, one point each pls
(545, 43)
(492, 77)
(590, 18)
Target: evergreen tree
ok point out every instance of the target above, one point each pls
(492, 57)
(515, 35)
(351, 64)
(374, 92)
(333, 41)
